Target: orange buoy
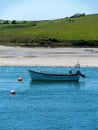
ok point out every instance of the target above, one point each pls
(19, 79)
(13, 92)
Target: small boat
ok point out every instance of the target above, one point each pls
(56, 77)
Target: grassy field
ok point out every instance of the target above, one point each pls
(60, 30)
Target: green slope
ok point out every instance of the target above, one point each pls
(81, 28)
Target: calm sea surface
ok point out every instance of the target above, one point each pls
(48, 105)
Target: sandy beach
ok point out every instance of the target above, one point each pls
(22, 56)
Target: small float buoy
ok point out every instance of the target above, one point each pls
(19, 79)
(13, 92)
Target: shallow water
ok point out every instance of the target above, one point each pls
(48, 105)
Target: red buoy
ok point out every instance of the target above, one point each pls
(19, 79)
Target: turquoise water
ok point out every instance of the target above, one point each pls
(48, 105)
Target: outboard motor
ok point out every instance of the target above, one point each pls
(79, 73)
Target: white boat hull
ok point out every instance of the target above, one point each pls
(53, 77)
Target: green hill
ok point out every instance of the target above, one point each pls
(76, 31)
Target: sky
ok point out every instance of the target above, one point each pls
(45, 9)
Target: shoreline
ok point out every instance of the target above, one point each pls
(22, 56)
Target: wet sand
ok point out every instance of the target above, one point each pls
(21, 56)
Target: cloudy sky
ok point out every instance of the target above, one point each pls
(45, 9)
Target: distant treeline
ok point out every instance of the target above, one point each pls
(78, 15)
(33, 23)
(49, 42)
(55, 43)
